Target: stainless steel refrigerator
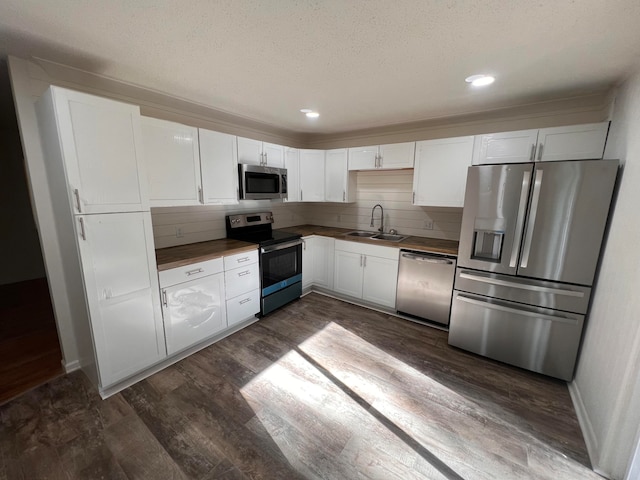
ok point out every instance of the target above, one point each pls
(529, 247)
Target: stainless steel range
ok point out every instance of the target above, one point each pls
(280, 257)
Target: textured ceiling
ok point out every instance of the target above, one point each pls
(360, 63)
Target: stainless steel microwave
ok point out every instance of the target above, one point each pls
(261, 183)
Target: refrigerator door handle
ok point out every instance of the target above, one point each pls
(533, 288)
(526, 313)
(522, 206)
(535, 199)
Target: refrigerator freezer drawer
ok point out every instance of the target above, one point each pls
(552, 295)
(537, 339)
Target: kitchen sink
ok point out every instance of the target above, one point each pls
(389, 237)
(360, 233)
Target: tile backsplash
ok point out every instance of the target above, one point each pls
(392, 189)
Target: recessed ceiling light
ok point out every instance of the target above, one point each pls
(306, 110)
(312, 114)
(480, 80)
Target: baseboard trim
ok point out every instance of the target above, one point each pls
(588, 433)
(70, 366)
(117, 387)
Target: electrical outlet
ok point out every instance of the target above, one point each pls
(428, 224)
(179, 233)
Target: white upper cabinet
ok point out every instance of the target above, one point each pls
(440, 174)
(573, 142)
(312, 175)
(292, 164)
(390, 156)
(172, 158)
(396, 155)
(505, 147)
(219, 166)
(255, 152)
(340, 183)
(363, 158)
(102, 150)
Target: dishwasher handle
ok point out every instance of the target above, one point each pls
(428, 259)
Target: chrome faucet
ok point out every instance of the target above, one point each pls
(381, 229)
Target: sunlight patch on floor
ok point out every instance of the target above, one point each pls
(359, 411)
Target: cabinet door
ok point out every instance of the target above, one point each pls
(292, 164)
(575, 142)
(323, 258)
(397, 155)
(308, 246)
(336, 170)
(506, 147)
(219, 164)
(172, 159)
(380, 281)
(348, 272)
(193, 311)
(249, 151)
(273, 155)
(363, 158)
(440, 173)
(121, 287)
(101, 149)
(312, 175)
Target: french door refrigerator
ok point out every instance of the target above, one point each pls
(529, 247)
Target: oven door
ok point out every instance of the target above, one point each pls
(281, 266)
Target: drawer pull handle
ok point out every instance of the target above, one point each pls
(243, 259)
(193, 272)
(246, 272)
(244, 301)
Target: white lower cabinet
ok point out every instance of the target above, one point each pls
(368, 272)
(193, 309)
(242, 280)
(317, 261)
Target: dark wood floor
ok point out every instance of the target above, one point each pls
(319, 389)
(29, 348)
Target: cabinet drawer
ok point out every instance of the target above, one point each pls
(242, 280)
(241, 259)
(174, 276)
(242, 307)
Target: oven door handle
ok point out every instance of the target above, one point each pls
(280, 246)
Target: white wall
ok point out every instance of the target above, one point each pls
(392, 189)
(606, 389)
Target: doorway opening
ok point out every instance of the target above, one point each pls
(30, 351)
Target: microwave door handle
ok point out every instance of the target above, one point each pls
(537, 185)
(522, 206)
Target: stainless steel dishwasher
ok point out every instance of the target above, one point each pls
(425, 285)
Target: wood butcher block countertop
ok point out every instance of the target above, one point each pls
(435, 245)
(182, 255)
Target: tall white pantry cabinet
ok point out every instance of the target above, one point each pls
(95, 167)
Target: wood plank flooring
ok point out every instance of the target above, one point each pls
(29, 348)
(318, 390)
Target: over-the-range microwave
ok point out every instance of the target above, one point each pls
(261, 183)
